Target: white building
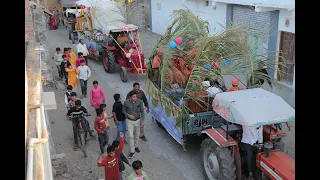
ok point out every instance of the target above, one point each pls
(161, 11)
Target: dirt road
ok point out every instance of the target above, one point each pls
(163, 158)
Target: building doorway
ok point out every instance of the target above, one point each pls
(287, 62)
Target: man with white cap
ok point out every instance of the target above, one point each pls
(211, 91)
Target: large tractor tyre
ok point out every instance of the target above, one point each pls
(158, 123)
(109, 61)
(217, 162)
(123, 74)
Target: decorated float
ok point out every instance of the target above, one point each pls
(101, 24)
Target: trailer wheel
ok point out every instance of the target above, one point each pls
(123, 74)
(158, 123)
(217, 162)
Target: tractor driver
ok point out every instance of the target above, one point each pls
(122, 39)
(251, 135)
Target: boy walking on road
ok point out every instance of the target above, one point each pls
(67, 96)
(73, 57)
(110, 162)
(84, 75)
(133, 109)
(119, 117)
(63, 67)
(80, 55)
(122, 158)
(138, 174)
(101, 128)
(57, 60)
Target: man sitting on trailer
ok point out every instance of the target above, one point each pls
(235, 85)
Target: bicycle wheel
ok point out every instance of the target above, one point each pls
(82, 142)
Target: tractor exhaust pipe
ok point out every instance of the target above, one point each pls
(267, 146)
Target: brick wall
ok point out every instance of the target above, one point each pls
(259, 22)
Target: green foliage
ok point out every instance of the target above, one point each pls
(230, 44)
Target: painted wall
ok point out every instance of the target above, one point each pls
(283, 15)
(161, 18)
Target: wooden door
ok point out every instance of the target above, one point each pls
(287, 51)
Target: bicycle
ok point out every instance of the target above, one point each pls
(82, 130)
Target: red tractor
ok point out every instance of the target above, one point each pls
(128, 54)
(222, 152)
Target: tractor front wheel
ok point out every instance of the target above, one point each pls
(109, 61)
(123, 74)
(217, 162)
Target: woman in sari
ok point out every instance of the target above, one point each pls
(72, 75)
(53, 23)
(96, 95)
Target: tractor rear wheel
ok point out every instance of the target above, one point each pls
(217, 162)
(109, 61)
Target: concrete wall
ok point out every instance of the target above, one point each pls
(287, 92)
(161, 17)
(283, 15)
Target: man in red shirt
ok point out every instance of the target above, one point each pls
(110, 161)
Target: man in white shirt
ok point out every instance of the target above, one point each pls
(84, 75)
(211, 91)
(250, 136)
(81, 47)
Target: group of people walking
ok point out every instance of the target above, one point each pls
(73, 69)
(128, 116)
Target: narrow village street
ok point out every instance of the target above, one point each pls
(221, 82)
(163, 158)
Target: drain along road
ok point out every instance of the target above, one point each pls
(163, 158)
